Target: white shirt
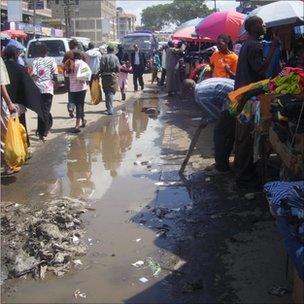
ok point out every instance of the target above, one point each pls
(136, 59)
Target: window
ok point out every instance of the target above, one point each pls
(55, 48)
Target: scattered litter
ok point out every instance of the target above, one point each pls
(154, 170)
(79, 294)
(136, 163)
(145, 163)
(249, 196)
(76, 240)
(119, 112)
(278, 291)
(207, 179)
(196, 119)
(166, 184)
(83, 179)
(179, 265)
(89, 240)
(77, 262)
(138, 264)
(143, 280)
(162, 231)
(154, 266)
(137, 240)
(48, 240)
(41, 194)
(176, 209)
(139, 155)
(72, 160)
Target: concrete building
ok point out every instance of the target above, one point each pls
(94, 19)
(125, 23)
(43, 11)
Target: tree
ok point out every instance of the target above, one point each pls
(157, 16)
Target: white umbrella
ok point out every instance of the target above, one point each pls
(279, 13)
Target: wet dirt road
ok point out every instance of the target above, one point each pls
(122, 166)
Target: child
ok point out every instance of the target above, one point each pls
(156, 67)
(77, 90)
(125, 69)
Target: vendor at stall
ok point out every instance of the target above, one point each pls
(251, 68)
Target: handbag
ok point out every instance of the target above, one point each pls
(84, 72)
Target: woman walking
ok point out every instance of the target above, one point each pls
(77, 90)
(22, 90)
(44, 74)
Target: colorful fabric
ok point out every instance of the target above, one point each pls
(220, 60)
(236, 95)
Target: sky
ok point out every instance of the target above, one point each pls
(136, 6)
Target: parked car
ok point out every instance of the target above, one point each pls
(57, 47)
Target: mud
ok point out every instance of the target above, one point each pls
(126, 167)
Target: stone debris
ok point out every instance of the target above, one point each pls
(46, 240)
(79, 294)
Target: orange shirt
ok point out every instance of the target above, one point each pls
(218, 60)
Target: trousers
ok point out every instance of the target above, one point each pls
(223, 136)
(138, 77)
(45, 124)
(109, 97)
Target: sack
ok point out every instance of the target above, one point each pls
(15, 150)
(96, 95)
(84, 72)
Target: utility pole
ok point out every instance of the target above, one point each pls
(215, 8)
(67, 15)
(34, 17)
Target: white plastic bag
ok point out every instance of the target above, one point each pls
(84, 72)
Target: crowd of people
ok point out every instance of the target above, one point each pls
(171, 66)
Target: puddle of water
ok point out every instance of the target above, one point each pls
(99, 166)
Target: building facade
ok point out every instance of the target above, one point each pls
(43, 11)
(125, 23)
(94, 19)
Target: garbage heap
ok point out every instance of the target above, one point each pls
(49, 239)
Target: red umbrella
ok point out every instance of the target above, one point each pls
(226, 22)
(15, 33)
(188, 34)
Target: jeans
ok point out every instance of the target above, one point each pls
(78, 99)
(109, 96)
(223, 136)
(138, 76)
(45, 124)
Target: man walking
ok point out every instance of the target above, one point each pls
(93, 60)
(138, 62)
(109, 68)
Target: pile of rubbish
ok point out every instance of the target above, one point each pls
(34, 242)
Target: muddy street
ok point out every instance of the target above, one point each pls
(151, 237)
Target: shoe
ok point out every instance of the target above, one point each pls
(142, 88)
(76, 130)
(123, 96)
(71, 114)
(215, 172)
(135, 89)
(84, 123)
